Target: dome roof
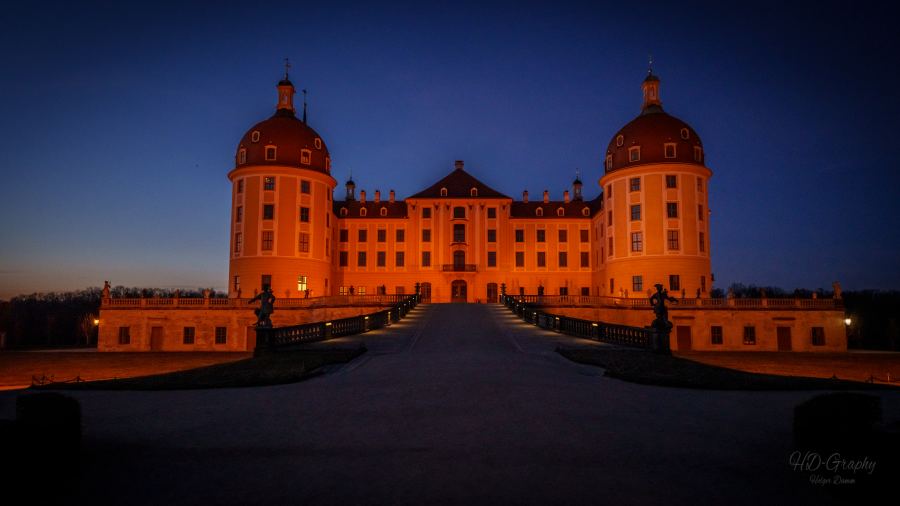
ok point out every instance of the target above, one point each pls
(296, 143)
(661, 137)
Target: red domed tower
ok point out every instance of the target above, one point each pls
(655, 191)
(281, 206)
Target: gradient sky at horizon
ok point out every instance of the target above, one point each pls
(120, 122)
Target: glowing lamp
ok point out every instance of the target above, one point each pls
(96, 321)
(847, 321)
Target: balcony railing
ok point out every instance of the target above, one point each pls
(710, 303)
(458, 267)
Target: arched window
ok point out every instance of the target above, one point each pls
(362, 211)
(585, 211)
(473, 192)
(270, 153)
(698, 154)
(539, 211)
(634, 154)
(560, 211)
(620, 140)
(685, 134)
(305, 156)
(608, 162)
(254, 137)
(344, 211)
(242, 156)
(669, 150)
(443, 192)
(327, 164)
(383, 211)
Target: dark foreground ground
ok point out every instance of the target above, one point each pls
(883, 367)
(458, 404)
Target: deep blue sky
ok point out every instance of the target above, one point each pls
(120, 121)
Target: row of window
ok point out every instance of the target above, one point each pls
(634, 184)
(637, 284)
(254, 138)
(669, 151)
(188, 335)
(269, 185)
(459, 259)
(716, 335)
(672, 241)
(271, 155)
(267, 241)
(671, 211)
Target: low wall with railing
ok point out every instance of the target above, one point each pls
(704, 303)
(249, 303)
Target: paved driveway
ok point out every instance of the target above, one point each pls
(457, 404)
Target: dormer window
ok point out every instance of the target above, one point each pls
(270, 153)
(254, 137)
(327, 164)
(634, 154)
(585, 211)
(318, 143)
(473, 192)
(698, 154)
(608, 162)
(242, 156)
(539, 211)
(685, 134)
(443, 192)
(362, 211)
(620, 140)
(669, 149)
(305, 156)
(344, 211)
(383, 211)
(560, 212)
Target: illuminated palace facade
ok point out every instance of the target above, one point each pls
(461, 241)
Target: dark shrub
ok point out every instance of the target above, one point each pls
(836, 421)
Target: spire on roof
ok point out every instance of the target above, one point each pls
(304, 105)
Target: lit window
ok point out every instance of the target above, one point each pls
(188, 335)
(749, 335)
(634, 154)
(304, 242)
(636, 212)
(242, 156)
(270, 153)
(637, 241)
(715, 335)
(670, 150)
(269, 211)
(254, 137)
(268, 237)
(305, 156)
(685, 134)
(361, 290)
(304, 214)
(399, 258)
(301, 283)
(620, 140)
(304, 186)
(269, 183)
(672, 209)
(637, 284)
(124, 335)
(318, 143)
(818, 336)
(672, 239)
(671, 181)
(221, 335)
(674, 282)
(459, 212)
(443, 192)
(634, 184)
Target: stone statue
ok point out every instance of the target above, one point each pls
(836, 286)
(206, 293)
(540, 290)
(730, 294)
(266, 307)
(105, 289)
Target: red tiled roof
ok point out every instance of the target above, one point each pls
(396, 209)
(459, 184)
(571, 209)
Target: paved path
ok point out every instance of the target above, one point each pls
(457, 404)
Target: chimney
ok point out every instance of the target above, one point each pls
(566, 196)
(459, 165)
(392, 196)
(362, 196)
(525, 196)
(377, 196)
(546, 196)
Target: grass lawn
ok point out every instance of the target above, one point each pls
(647, 368)
(270, 369)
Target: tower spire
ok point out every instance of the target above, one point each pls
(286, 92)
(650, 89)
(304, 105)
(287, 67)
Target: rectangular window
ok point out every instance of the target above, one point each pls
(636, 212)
(381, 235)
(669, 150)
(585, 235)
(238, 242)
(564, 290)
(459, 232)
(304, 186)
(344, 235)
(635, 184)
(492, 235)
(221, 335)
(426, 259)
(608, 191)
(563, 259)
(400, 258)
(400, 290)
(492, 259)
(304, 242)
(672, 209)
(342, 290)
(672, 239)
(700, 212)
(268, 239)
(459, 212)
(610, 250)
(585, 291)
(426, 235)
(426, 212)
(342, 258)
(698, 154)
(585, 259)
(715, 335)
(818, 336)
(634, 154)
(563, 235)
(327, 219)
(239, 214)
(269, 211)
(492, 212)
(400, 235)
(362, 235)
(240, 188)
(520, 235)
(702, 242)
(609, 217)
(749, 335)
(124, 335)
(380, 259)
(674, 282)
(265, 280)
(360, 290)
(612, 286)
(270, 153)
(269, 183)
(541, 235)
(699, 184)
(188, 335)
(637, 241)
(520, 259)
(541, 259)
(672, 181)
(637, 284)
(302, 283)
(304, 214)
(236, 283)
(360, 258)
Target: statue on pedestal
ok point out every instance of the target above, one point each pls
(661, 324)
(836, 286)
(105, 292)
(266, 307)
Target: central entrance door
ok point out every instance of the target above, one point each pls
(156, 338)
(683, 336)
(425, 292)
(784, 338)
(458, 291)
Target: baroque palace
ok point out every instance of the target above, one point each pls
(461, 241)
